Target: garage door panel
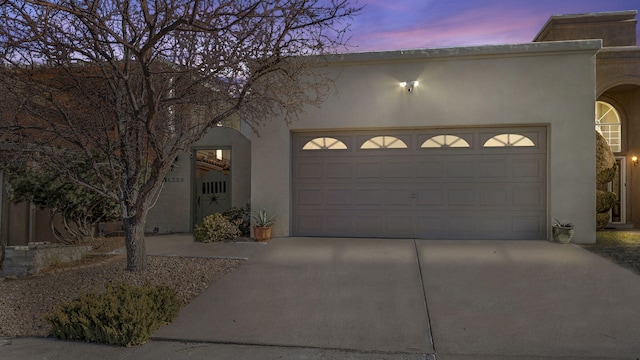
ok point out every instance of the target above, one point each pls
(338, 196)
(312, 170)
(398, 170)
(491, 226)
(368, 170)
(339, 170)
(401, 225)
(370, 196)
(367, 225)
(430, 197)
(309, 223)
(529, 168)
(461, 169)
(528, 196)
(340, 225)
(495, 195)
(493, 168)
(309, 196)
(430, 169)
(398, 196)
(430, 226)
(462, 194)
(448, 193)
(528, 224)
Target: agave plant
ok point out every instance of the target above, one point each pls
(262, 219)
(562, 224)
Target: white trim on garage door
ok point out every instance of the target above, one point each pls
(475, 183)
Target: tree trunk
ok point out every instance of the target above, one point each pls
(134, 241)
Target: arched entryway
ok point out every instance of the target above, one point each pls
(608, 124)
(617, 118)
(221, 172)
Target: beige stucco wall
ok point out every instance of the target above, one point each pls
(173, 210)
(543, 83)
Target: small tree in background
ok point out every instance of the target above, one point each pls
(605, 172)
(129, 84)
(75, 208)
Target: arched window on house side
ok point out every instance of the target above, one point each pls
(383, 142)
(324, 143)
(608, 125)
(508, 140)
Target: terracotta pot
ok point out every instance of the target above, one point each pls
(262, 233)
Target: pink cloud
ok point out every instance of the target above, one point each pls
(410, 24)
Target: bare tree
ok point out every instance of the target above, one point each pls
(126, 85)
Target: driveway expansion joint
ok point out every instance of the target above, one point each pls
(426, 304)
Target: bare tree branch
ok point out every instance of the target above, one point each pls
(136, 82)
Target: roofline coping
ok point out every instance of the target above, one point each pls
(468, 51)
(622, 15)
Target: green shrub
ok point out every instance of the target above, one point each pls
(243, 215)
(124, 315)
(602, 220)
(605, 200)
(605, 161)
(216, 227)
(605, 172)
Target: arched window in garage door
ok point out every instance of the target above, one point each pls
(445, 141)
(507, 140)
(324, 143)
(384, 142)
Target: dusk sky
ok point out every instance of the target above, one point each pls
(414, 24)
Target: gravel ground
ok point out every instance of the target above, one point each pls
(621, 247)
(25, 302)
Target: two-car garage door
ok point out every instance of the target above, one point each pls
(477, 183)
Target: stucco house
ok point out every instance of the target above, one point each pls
(487, 142)
(466, 143)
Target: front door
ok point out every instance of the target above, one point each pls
(618, 186)
(213, 182)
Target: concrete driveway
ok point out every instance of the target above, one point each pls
(530, 299)
(315, 298)
(351, 294)
(454, 299)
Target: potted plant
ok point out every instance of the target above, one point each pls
(562, 232)
(262, 225)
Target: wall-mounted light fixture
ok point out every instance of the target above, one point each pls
(409, 85)
(634, 160)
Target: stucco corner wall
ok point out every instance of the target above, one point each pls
(271, 174)
(572, 174)
(549, 84)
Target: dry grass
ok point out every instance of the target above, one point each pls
(622, 247)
